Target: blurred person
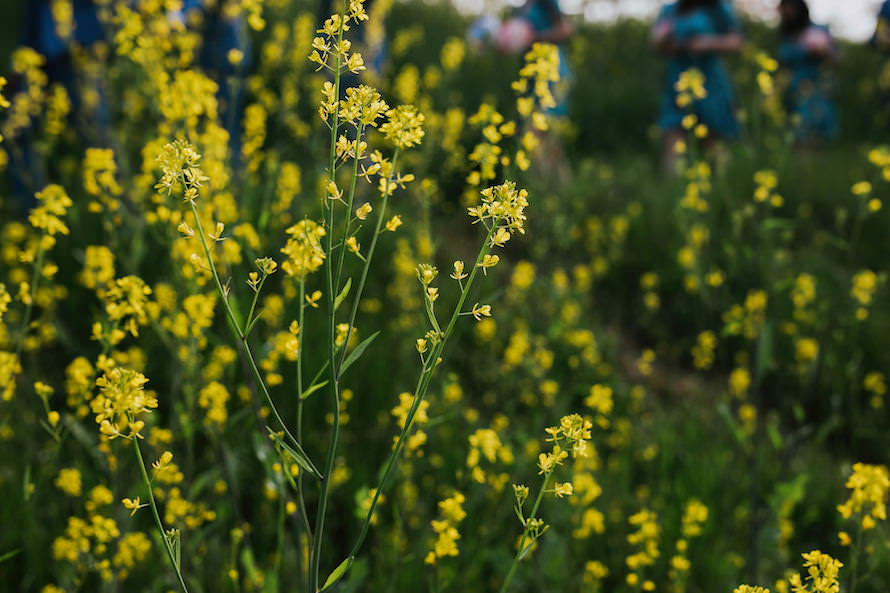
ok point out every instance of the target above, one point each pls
(542, 21)
(56, 37)
(368, 38)
(225, 57)
(881, 41)
(694, 34)
(806, 49)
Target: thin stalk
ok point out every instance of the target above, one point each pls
(239, 333)
(157, 516)
(29, 307)
(361, 283)
(856, 231)
(423, 383)
(349, 204)
(256, 295)
(279, 544)
(315, 553)
(300, 495)
(854, 563)
(520, 552)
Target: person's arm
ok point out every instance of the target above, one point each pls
(819, 43)
(726, 43)
(561, 31)
(662, 35)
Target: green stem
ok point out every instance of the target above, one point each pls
(300, 495)
(279, 545)
(245, 347)
(29, 307)
(157, 516)
(349, 204)
(520, 553)
(364, 277)
(420, 391)
(256, 295)
(854, 563)
(315, 554)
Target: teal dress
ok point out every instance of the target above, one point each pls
(808, 97)
(717, 110)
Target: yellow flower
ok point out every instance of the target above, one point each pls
(695, 514)
(864, 286)
(54, 203)
(404, 126)
(563, 489)
(312, 299)
(480, 311)
(822, 573)
(869, 485)
(179, 164)
(600, 399)
(120, 401)
(452, 53)
(861, 188)
(99, 170)
(488, 261)
(69, 481)
(362, 211)
(132, 505)
(806, 350)
(235, 56)
(303, 249)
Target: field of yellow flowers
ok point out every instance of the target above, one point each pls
(366, 334)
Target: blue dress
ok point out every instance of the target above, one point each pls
(884, 12)
(717, 110)
(807, 97)
(881, 36)
(40, 29)
(543, 15)
(39, 33)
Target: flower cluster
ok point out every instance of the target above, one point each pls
(404, 126)
(179, 164)
(822, 574)
(452, 513)
(645, 540)
(541, 69)
(869, 485)
(303, 249)
(330, 50)
(502, 211)
(54, 203)
(121, 400)
(690, 87)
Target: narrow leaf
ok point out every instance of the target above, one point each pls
(297, 456)
(357, 352)
(314, 388)
(338, 573)
(343, 294)
(252, 323)
(10, 554)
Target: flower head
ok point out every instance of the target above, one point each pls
(120, 401)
